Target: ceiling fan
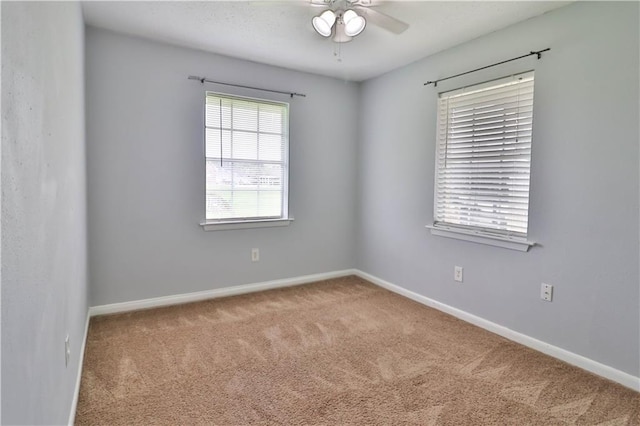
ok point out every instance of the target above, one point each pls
(345, 19)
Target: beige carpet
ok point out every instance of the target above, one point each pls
(335, 352)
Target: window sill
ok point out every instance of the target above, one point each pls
(511, 243)
(245, 224)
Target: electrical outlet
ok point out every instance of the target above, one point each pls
(457, 273)
(255, 255)
(67, 351)
(546, 292)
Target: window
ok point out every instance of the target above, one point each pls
(247, 150)
(483, 159)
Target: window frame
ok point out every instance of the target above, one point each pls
(479, 234)
(285, 218)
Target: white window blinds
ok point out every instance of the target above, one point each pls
(483, 156)
(247, 150)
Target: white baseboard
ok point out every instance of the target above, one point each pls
(213, 294)
(76, 393)
(595, 367)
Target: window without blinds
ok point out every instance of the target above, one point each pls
(247, 149)
(484, 156)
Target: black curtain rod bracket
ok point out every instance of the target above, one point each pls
(538, 53)
(203, 80)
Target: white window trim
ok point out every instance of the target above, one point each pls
(245, 224)
(238, 223)
(478, 236)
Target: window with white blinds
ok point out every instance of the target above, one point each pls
(483, 157)
(247, 150)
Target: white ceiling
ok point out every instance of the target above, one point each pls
(280, 32)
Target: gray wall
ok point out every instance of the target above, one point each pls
(584, 184)
(44, 275)
(146, 173)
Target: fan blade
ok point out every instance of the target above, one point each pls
(383, 20)
(305, 3)
(363, 3)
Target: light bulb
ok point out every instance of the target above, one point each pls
(353, 23)
(323, 23)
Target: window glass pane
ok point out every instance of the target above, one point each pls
(271, 147)
(271, 119)
(212, 143)
(245, 115)
(270, 203)
(245, 146)
(212, 112)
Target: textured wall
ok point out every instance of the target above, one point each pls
(146, 173)
(44, 275)
(584, 184)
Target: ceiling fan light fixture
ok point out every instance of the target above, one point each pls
(323, 23)
(339, 35)
(353, 23)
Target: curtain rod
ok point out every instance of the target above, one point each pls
(206, 80)
(539, 53)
